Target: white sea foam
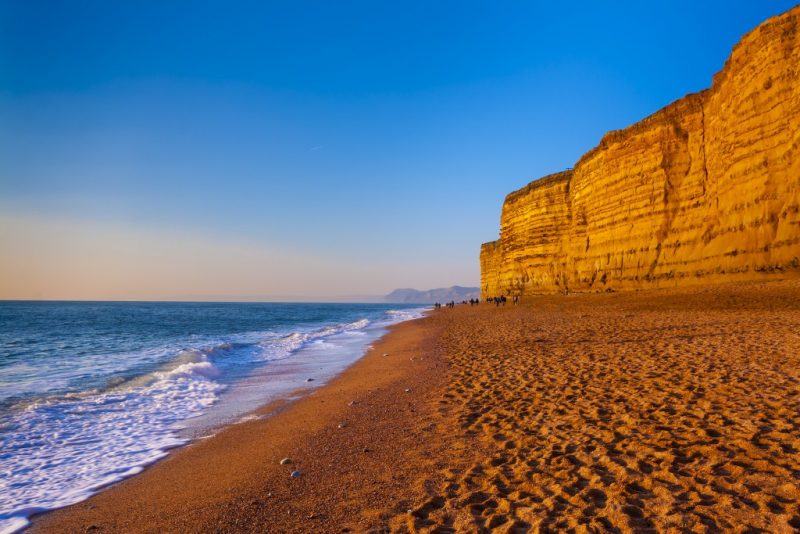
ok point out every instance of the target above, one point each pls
(60, 450)
(406, 315)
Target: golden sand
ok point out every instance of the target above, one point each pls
(661, 411)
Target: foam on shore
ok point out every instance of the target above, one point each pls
(59, 450)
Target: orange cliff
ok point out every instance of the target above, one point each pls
(706, 189)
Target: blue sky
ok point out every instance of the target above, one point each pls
(371, 143)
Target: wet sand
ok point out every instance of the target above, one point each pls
(663, 411)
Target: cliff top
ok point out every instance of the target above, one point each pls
(544, 181)
(694, 101)
(671, 113)
(786, 22)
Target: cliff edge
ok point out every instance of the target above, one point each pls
(704, 190)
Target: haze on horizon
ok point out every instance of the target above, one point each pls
(309, 150)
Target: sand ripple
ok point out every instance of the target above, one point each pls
(663, 412)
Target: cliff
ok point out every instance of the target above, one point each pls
(704, 190)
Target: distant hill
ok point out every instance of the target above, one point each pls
(442, 294)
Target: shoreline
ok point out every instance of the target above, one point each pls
(241, 373)
(228, 457)
(673, 410)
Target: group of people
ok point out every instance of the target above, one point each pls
(502, 300)
(476, 302)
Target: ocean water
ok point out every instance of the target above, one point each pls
(92, 392)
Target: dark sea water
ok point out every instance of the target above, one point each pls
(91, 392)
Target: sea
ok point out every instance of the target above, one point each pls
(92, 392)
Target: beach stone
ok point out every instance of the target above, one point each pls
(408, 390)
(286, 461)
(295, 474)
(342, 424)
(365, 449)
(385, 353)
(309, 379)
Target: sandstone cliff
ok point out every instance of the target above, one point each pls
(706, 189)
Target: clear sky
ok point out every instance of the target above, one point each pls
(231, 150)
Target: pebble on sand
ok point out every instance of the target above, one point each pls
(342, 424)
(408, 390)
(295, 474)
(309, 379)
(385, 353)
(286, 461)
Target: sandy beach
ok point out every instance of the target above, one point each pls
(661, 410)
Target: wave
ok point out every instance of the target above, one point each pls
(60, 449)
(406, 315)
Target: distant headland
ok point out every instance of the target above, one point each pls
(442, 294)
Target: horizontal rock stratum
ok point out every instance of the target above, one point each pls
(704, 190)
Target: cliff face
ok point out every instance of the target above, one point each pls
(706, 189)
